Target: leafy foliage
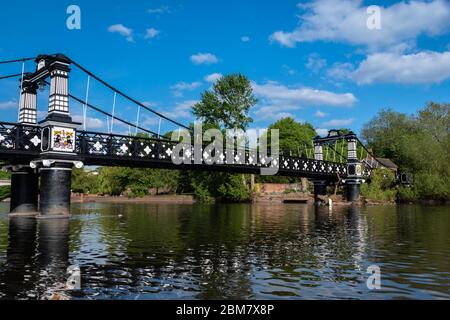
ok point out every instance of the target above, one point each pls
(293, 135)
(381, 186)
(5, 192)
(224, 187)
(84, 182)
(227, 105)
(418, 144)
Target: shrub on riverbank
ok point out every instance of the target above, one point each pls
(5, 192)
(381, 186)
(419, 144)
(225, 187)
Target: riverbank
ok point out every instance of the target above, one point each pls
(165, 199)
(304, 198)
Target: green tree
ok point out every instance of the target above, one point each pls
(293, 135)
(85, 182)
(419, 144)
(5, 192)
(114, 180)
(3, 174)
(386, 133)
(381, 186)
(228, 104)
(142, 180)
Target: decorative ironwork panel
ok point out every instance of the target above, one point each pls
(15, 137)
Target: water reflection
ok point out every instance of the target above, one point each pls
(36, 259)
(17, 278)
(231, 252)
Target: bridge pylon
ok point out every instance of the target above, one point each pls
(57, 142)
(354, 170)
(58, 155)
(24, 190)
(320, 186)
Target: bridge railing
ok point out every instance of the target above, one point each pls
(93, 145)
(17, 137)
(110, 149)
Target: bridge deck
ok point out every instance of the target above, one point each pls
(23, 143)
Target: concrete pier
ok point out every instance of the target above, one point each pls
(353, 190)
(56, 183)
(320, 189)
(24, 191)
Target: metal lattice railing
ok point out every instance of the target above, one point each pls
(107, 149)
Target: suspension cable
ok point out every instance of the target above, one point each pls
(86, 102)
(337, 152)
(108, 114)
(21, 88)
(137, 120)
(113, 112)
(17, 60)
(159, 128)
(127, 96)
(10, 76)
(369, 153)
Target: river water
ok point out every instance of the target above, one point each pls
(145, 251)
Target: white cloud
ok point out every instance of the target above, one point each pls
(422, 67)
(212, 78)
(274, 112)
(322, 132)
(91, 123)
(160, 10)
(340, 70)
(151, 33)
(123, 31)
(303, 96)
(180, 87)
(150, 122)
(245, 39)
(315, 63)
(149, 104)
(204, 58)
(182, 110)
(320, 114)
(346, 21)
(279, 101)
(339, 123)
(11, 104)
(290, 71)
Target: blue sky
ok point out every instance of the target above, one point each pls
(313, 60)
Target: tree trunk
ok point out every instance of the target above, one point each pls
(304, 185)
(252, 182)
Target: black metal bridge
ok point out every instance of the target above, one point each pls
(19, 143)
(49, 149)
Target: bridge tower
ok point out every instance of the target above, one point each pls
(58, 139)
(24, 179)
(320, 186)
(354, 169)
